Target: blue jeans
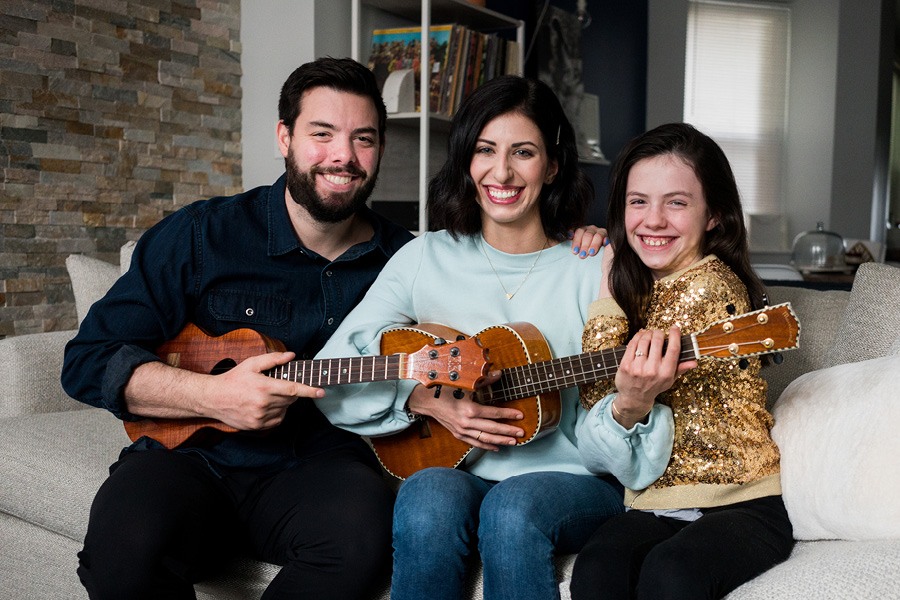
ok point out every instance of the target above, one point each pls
(444, 518)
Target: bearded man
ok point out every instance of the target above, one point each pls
(288, 261)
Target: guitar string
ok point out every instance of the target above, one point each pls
(313, 371)
(530, 371)
(498, 391)
(513, 388)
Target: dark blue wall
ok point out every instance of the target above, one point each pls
(614, 51)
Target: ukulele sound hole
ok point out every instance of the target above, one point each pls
(226, 364)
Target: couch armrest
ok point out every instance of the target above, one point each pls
(30, 366)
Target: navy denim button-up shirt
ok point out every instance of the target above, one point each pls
(224, 264)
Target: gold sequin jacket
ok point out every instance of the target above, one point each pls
(722, 451)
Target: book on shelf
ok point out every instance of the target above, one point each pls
(400, 48)
(460, 59)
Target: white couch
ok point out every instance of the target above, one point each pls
(841, 464)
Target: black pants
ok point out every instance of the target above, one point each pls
(163, 521)
(639, 555)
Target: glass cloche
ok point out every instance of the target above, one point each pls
(818, 250)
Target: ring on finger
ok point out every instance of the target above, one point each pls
(638, 353)
(478, 437)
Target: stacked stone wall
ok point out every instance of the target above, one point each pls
(113, 114)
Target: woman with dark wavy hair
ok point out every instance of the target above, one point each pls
(712, 516)
(565, 198)
(504, 202)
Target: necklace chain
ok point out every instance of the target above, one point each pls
(509, 295)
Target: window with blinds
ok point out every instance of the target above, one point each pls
(736, 84)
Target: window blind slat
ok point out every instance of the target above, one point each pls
(736, 77)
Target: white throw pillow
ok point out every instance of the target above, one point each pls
(840, 451)
(91, 279)
(125, 253)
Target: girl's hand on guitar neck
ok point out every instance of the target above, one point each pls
(646, 370)
(477, 425)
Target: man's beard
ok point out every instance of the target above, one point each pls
(335, 207)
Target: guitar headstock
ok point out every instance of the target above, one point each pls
(461, 364)
(770, 329)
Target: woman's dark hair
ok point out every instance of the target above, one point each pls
(452, 192)
(631, 282)
(341, 74)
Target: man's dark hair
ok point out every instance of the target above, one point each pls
(341, 74)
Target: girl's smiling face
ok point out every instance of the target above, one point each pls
(666, 215)
(510, 166)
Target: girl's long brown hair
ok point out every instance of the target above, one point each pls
(631, 282)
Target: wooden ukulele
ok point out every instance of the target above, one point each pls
(531, 380)
(424, 357)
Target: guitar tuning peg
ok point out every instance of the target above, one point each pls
(458, 394)
(743, 363)
(731, 309)
(439, 341)
(765, 299)
(460, 337)
(778, 358)
(437, 391)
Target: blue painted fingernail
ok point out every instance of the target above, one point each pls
(593, 252)
(570, 234)
(606, 242)
(583, 254)
(575, 250)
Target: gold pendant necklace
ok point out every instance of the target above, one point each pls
(509, 295)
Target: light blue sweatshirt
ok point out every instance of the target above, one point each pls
(434, 279)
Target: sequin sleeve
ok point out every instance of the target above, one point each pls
(606, 328)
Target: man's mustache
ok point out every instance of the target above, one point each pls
(345, 170)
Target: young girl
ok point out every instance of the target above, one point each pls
(713, 517)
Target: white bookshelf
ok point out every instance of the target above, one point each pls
(431, 128)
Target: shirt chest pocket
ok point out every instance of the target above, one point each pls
(241, 306)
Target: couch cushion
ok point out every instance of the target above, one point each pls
(52, 464)
(871, 322)
(830, 570)
(819, 313)
(36, 563)
(31, 367)
(836, 429)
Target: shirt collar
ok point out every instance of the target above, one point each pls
(283, 239)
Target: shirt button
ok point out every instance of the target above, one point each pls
(330, 321)
(328, 273)
(249, 312)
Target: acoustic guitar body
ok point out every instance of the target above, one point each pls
(194, 350)
(426, 443)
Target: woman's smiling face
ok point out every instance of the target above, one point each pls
(510, 165)
(666, 215)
